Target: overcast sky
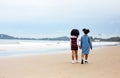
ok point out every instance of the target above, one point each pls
(53, 18)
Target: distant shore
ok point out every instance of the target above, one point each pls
(103, 63)
(61, 38)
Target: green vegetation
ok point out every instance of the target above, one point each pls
(108, 39)
(63, 38)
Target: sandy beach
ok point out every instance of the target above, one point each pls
(103, 63)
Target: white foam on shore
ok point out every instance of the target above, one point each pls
(29, 47)
(101, 44)
(41, 47)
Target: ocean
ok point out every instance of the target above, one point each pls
(35, 47)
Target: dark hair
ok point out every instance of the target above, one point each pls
(86, 31)
(75, 32)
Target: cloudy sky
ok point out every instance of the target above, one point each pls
(53, 18)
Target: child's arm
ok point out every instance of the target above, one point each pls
(80, 43)
(90, 43)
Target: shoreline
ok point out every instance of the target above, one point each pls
(30, 53)
(27, 48)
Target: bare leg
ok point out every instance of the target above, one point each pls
(82, 60)
(76, 54)
(82, 56)
(86, 56)
(73, 52)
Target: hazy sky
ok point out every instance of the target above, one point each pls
(43, 18)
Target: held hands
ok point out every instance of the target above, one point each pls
(80, 47)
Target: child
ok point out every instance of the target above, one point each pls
(74, 45)
(86, 45)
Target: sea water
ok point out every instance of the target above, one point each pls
(34, 47)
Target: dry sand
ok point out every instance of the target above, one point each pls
(103, 63)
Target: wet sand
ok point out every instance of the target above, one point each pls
(103, 63)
